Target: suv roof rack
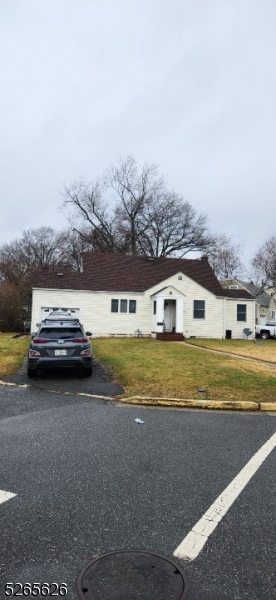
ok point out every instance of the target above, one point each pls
(61, 319)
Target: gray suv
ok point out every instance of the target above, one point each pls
(60, 342)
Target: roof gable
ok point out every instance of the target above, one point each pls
(263, 298)
(169, 289)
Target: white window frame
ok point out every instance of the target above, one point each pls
(199, 309)
(120, 303)
(242, 320)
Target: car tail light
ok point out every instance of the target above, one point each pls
(34, 353)
(40, 341)
(86, 353)
(80, 340)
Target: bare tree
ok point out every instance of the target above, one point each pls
(224, 258)
(136, 193)
(12, 270)
(74, 245)
(42, 248)
(11, 306)
(132, 211)
(264, 263)
(89, 215)
(172, 227)
(37, 248)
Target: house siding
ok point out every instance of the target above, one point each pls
(211, 325)
(235, 326)
(262, 311)
(272, 307)
(94, 307)
(96, 315)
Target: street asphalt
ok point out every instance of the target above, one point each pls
(89, 479)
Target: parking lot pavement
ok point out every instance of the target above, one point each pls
(89, 479)
(70, 380)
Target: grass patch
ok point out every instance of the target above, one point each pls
(259, 349)
(147, 367)
(12, 353)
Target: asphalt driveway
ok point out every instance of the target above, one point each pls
(70, 380)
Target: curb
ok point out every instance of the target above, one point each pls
(206, 404)
(175, 402)
(271, 406)
(19, 385)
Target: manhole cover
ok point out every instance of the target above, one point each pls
(132, 575)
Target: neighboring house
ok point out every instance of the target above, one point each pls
(265, 301)
(123, 295)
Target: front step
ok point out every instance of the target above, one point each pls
(169, 336)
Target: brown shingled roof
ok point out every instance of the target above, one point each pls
(124, 273)
(237, 294)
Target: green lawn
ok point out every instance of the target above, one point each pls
(147, 367)
(12, 352)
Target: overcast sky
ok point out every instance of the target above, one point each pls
(187, 84)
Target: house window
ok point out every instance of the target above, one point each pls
(126, 306)
(241, 312)
(114, 305)
(199, 309)
(179, 276)
(272, 315)
(154, 307)
(233, 287)
(132, 306)
(123, 306)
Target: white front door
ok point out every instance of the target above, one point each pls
(170, 314)
(167, 316)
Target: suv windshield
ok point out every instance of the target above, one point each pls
(58, 333)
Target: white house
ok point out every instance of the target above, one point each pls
(265, 309)
(128, 295)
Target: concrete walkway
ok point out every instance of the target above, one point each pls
(232, 355)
